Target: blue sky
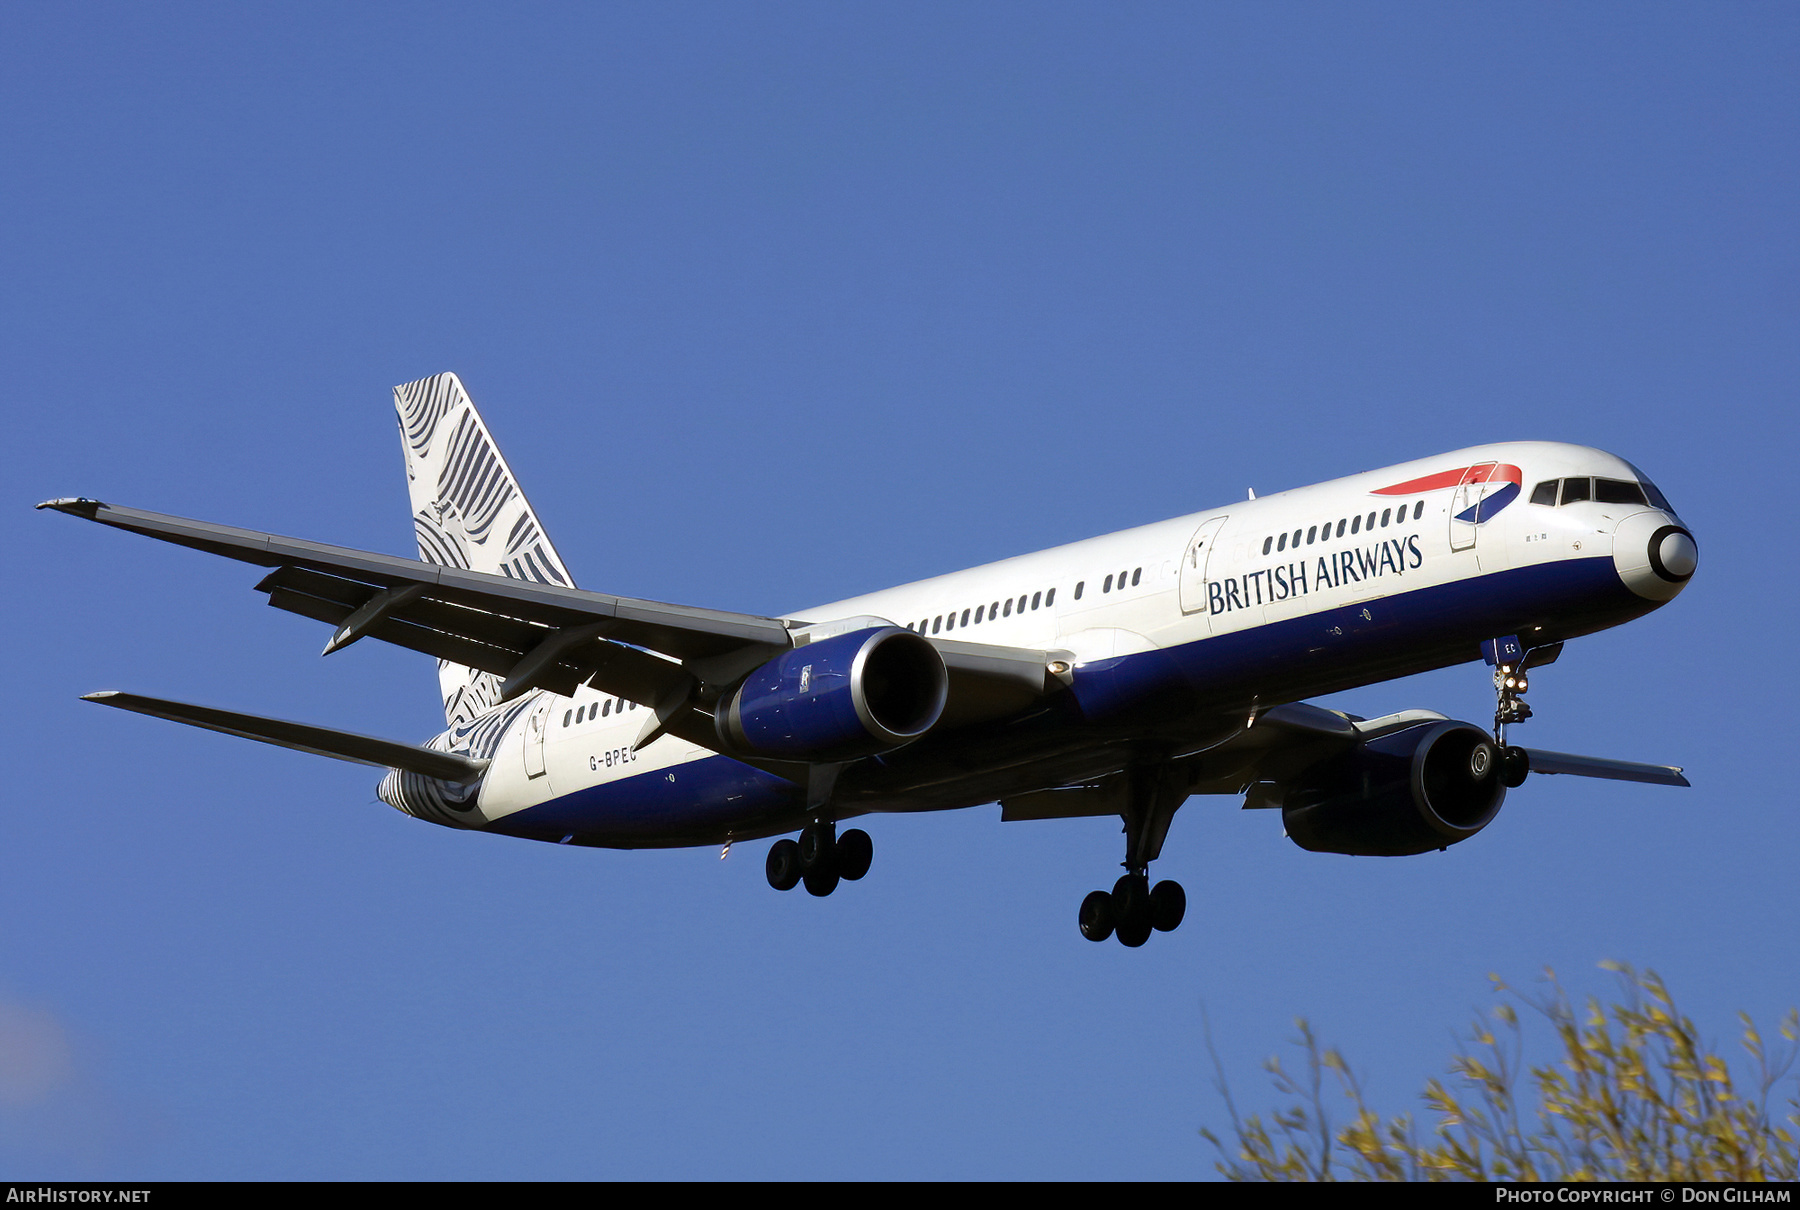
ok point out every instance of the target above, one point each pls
(776, 304)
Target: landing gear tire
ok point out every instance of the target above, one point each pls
(783, 866)
(1168, 904)
(821, 882)
(818, 847)
(1097, 916)
(1515, 765)
(1131, 905)
(1134, 935)
(854, 853)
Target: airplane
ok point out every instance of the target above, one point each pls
(1111, 677)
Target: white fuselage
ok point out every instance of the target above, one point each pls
(1347, 543)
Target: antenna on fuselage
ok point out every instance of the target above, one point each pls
(1253, 493)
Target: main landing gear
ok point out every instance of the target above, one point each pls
(819, 858)
(1134, 909)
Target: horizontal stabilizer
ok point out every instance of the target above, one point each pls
(1613, 770)
(320, 741)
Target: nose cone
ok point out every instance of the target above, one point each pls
(1655, 555)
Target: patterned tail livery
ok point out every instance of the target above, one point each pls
(468, 512)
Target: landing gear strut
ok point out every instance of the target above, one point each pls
(1134, 909)
(819, 858)
(1510, 661)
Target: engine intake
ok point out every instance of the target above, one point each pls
(1421, 788)
(840, 698)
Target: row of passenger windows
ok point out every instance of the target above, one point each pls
(598, 710)
(1325, 532)
(1601, 491)
(991, 613)
(1005, 609)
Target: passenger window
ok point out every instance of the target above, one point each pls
(979, 610)
(1034, 599)
(1355, 524)
(1007, 609)
(1107, 587)
(1545, 492)
(1267, 543)
(1079, 585)
(965, 617)
(1282, 544)
(950, 620)
(1136, 576)
(993, 611)
(1574, 491)
(1021, 602)
(1340, 529)
(1050, 598)
(937, 623)
(606, 709)
(1614, 491)
(1370, 523)
(1418, 510)
(1384, 517)
(566, 714)
(1311, 533)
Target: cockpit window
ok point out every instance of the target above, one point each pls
(1657, 499)
(1544, 493)
(1575, 490)
(1618, 491)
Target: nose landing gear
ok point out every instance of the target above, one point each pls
(1510, 661)
(1134, 909)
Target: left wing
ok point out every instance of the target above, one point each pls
(1612, 770)
(1312, 733)
(1280, 743)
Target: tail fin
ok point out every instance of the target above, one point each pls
(468, 512)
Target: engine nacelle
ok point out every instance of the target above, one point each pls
(1410, 791)
(839, 698)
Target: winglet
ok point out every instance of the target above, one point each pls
(75, 506)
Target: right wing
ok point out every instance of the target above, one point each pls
(534, 635)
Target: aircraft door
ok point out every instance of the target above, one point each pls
(1193, 565)
(1476, 483)
(534, 738)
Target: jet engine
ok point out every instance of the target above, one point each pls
(839, 698)
(1421, 788)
